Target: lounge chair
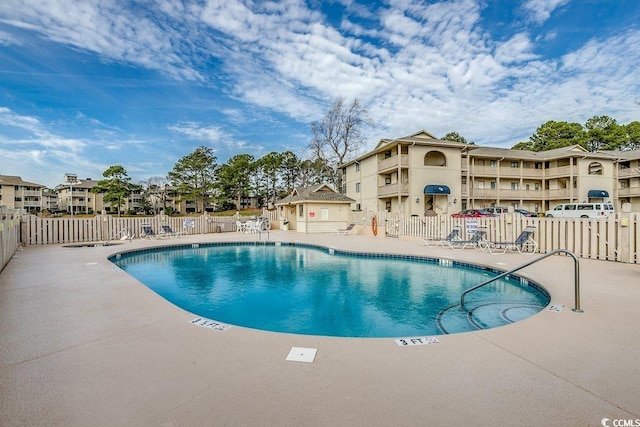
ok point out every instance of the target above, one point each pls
(439, 241)
(348, 230)
(478, 240)
(168, 232)
(147, 232)
(523, 243)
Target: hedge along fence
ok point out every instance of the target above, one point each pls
(103, 228)
(614, 238)
(9, 235)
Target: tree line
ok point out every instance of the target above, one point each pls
(335, 139)
(198, 177)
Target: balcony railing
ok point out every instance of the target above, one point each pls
(629, 191)
(629, 172)
(559, 171)
(393, 190)
(392, 162)
(558, 193)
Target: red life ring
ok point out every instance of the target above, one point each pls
(374, 225)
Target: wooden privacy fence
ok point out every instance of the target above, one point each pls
(615, 238)
(103, 228)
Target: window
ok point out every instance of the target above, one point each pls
(301, 211)
(357, 167)
(526, 187)
(480, 184)
(387, 180)
(358, 207)
(387, 206)
(357, 187)
(493, 163)
(493, 185)
(536, 186)
(435, 158)
(514, 185)
(464, 180)
(514, 164)
(387, 154)
(595, 168)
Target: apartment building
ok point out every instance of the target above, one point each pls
(77, 197)
(420, 174)
(22, 195)
(627, 177)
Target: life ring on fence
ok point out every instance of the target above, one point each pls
(374, 225)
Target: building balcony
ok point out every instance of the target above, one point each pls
(511, 172)
(629, 192)
(558, 171)
(393, 162)
(397, 189)
(484, 171)
(629, 172)
(560, 193)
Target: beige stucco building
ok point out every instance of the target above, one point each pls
(317, 209)
(420, 174)
(22, 195)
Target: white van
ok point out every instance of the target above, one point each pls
(580, 210)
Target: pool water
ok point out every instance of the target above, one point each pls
(318, 291)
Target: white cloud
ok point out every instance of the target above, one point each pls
(415, 64)
(540, 10)
(105, 28)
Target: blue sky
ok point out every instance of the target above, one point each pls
(89, 84)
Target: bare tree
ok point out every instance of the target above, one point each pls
(338, 137)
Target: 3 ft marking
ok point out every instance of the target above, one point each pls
(417, 341)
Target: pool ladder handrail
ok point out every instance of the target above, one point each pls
(557, 251)
(127, 230)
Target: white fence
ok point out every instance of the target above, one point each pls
(9, 235)
(103, 228)
(615, 238)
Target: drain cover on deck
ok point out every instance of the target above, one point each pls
(302, 354)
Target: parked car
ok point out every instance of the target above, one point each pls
(581, 210)
(472, 213)
(526, 213)
(497, 210)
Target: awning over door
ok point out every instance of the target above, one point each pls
(436, 189)
(597, 194)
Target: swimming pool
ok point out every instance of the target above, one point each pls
(304, 289)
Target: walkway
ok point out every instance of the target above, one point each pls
(84, 344)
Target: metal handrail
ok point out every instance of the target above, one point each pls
(129, 235)
(565, 251)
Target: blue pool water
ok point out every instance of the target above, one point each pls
(318, 291)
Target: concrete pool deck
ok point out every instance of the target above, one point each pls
(85, 344)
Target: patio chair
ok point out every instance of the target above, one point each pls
(521, 244)
(241, 227)
(478, 240)
(439, 241)
(251, 226)
(348, 230)
(168, 232)
(147, 232)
